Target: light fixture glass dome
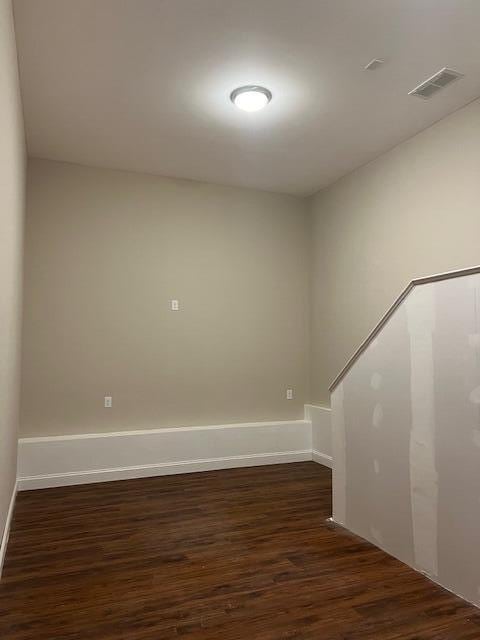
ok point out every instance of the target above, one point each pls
(251, 98)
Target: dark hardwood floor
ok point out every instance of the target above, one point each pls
(237, 554)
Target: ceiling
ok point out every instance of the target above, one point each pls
(144, 85)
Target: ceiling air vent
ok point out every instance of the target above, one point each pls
(439, 80)
(373, 64)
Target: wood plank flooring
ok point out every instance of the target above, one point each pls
(223, 555)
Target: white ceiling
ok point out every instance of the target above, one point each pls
(144, 84)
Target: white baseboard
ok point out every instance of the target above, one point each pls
(168, 468)
(66, 460)
(6, 530)
(322, 458)
(321, 420)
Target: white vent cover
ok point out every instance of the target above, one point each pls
(373, 64)
(438, 81)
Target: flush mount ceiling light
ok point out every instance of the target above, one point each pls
(251, 97)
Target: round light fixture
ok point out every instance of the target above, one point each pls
(251, 97)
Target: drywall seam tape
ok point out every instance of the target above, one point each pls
(339, 456)
(423, 474)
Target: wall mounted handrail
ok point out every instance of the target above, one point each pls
(446, 275)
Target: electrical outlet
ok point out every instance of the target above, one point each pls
(107, 402)
(289, 394)
(174, 305)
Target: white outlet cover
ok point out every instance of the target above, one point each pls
(174, 306)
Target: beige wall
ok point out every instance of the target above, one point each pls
(412, 212)
(107, 250)
(12, 169)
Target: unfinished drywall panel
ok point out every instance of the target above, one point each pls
(456, 351)
(375, 411)
(406, 436)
